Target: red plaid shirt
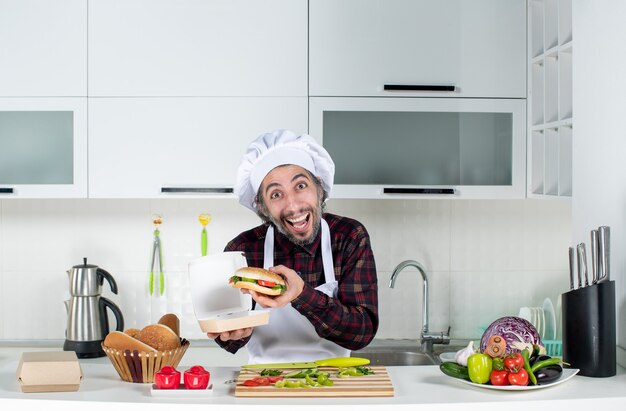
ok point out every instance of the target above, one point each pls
(351, 319)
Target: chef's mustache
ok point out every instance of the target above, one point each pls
(290, 214)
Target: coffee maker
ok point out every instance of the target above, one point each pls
(87, 320)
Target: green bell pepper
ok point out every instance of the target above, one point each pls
(479, 367)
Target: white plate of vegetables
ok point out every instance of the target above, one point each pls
(510, 358)
(568, 373)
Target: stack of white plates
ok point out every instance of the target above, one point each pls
(550, 318)
(543, 318)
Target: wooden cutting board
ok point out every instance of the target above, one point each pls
(377, 385)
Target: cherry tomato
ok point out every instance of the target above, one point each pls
(167, 378)
(264, 283)
(250, 383)
(499, 377)
(514, 362)
(518, 378)
(273, 379)
(196, 378)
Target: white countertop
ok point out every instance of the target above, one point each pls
(418, 387)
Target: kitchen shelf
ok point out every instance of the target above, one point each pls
(550, 120)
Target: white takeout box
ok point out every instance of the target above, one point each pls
(218, 306)
(49, 371)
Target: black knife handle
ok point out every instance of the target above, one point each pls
(6, 190)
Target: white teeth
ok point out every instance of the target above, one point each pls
(297, 220)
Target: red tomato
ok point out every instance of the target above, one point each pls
(499, 377)
(262, 380)
(196, 378)
(250, 383)
(514, 362)
(273, 379)
(167, 378)
(518, 378)
(264, 283)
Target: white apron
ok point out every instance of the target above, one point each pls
(289, 336)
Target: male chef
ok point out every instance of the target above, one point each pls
(330, 306)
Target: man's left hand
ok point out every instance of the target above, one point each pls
(294, 285)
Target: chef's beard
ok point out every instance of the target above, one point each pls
(316, 219)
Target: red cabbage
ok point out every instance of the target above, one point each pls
(512, 329)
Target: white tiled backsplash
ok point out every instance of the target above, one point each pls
(484, 259)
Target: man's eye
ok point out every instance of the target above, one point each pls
(275, 195)
(301, 186)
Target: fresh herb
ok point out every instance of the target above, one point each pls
(270, 372)
(365, 370)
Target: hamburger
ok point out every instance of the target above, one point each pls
(258, 279)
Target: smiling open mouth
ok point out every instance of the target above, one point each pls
(299, 223)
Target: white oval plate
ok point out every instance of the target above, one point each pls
(567, 374)
(447, 356)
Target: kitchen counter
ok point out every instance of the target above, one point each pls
(416, 387)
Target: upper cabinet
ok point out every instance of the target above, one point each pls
(164, 147)
(443, 48)
(550, 42)
(43, 48)
(197, 48)
(43, 147)
(409, 147)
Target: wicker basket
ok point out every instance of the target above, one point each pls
(140, 366)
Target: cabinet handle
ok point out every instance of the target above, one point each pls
(6, 190)
(446, 191)
(418, 87)
(197, 190)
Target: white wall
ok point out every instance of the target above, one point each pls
(485, 258)
(599, 91)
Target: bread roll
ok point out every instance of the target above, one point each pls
(122, 341)
(132, 332)
(159, 336)
(172, 321)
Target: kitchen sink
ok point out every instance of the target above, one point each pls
(393, 352)
(395, 357)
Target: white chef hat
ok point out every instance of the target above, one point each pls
(278, 148)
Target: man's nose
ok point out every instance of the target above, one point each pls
(291, 201)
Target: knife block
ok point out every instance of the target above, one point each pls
(589, 336)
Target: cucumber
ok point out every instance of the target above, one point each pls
(455, 370)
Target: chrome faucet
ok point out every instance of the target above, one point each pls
(427, 338)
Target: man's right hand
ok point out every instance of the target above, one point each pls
(231, 335)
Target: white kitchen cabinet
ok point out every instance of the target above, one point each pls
(43, 147)
(550, 99)
(356, 47)
(197, 48)
(423, 147)
(164, 147)
(43, 48)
